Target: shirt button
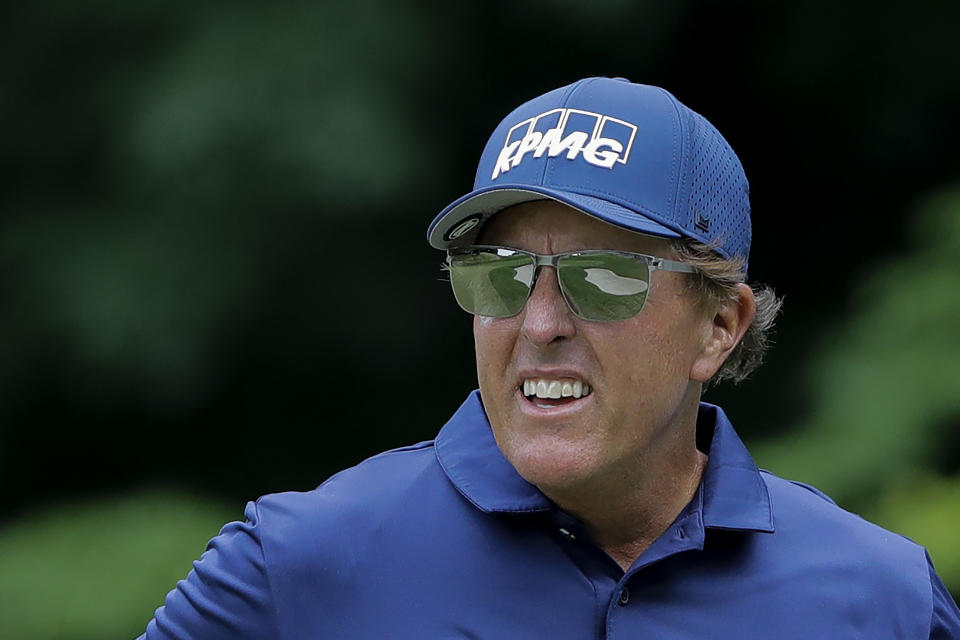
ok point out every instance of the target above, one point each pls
(624, 597)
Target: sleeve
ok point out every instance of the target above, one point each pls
(226, 595)
(945, 621)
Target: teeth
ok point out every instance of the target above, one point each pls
(546, 388)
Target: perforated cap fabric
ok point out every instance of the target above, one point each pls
(630, 154)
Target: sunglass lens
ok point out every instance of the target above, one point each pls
(605, 287)
(493, 283)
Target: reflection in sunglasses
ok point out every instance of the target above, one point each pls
(609, 282)
(524, 274)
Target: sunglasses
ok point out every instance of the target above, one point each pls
(601, 286)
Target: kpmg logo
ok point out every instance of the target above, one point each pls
(600, 140)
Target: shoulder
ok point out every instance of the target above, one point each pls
(375, 483)
(802, 510)
(395, 507)
(824, 536)
(360, 509)
(800, 506)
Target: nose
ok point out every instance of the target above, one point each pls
(546, 316)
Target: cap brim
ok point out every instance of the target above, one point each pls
(460, 221)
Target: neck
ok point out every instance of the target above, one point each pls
(626, 511)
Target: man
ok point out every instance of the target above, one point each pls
(584, 492)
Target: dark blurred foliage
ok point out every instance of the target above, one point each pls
(214, 271)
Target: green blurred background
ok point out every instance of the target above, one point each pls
(215, 284)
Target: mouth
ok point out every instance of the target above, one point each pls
(547, 393)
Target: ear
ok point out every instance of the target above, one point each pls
(723, 333)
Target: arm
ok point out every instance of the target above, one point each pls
(226, 595)
(945, 621)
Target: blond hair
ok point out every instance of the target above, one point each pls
(715, 282)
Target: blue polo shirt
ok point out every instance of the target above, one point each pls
(445, 540)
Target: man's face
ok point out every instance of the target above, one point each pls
(640, 371)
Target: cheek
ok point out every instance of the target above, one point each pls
(482, 338)
(492, 340)
(650, 355)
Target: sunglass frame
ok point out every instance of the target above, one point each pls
(653, 263)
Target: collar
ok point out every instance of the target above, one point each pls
(732, 493)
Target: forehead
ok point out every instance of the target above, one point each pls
(547, 226)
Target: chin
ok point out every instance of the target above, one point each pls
(550, 466)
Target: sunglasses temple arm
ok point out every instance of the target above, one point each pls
(672, 265)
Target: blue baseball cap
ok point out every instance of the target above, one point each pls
(630, 154)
